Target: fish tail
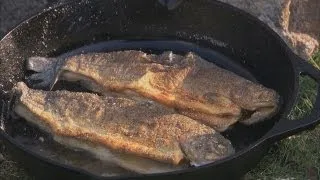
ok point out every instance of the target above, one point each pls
(45, 71)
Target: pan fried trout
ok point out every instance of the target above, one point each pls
(139, 135)
(193, 86)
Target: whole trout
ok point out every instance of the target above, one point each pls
(193, 86)
(139, 135)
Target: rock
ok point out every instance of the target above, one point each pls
(296, 21)
(306, 17)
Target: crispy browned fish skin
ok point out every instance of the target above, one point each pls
(191, 85)
(137, 127)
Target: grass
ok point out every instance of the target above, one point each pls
(294, 158)
(297, 157)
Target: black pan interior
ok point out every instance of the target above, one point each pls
(206, 27)
(42, 143)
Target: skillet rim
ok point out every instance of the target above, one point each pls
(264, 140)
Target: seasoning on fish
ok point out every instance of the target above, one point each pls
(137, 134)
(193, 86)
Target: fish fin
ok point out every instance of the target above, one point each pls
(144, 165)
(46, 72)
(260, 115)
(126, 161)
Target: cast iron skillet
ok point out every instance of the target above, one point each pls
(218, 32)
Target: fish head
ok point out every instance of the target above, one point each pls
(207, 148)
(258, 102)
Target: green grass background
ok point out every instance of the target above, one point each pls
(297, 157)
(294, 158)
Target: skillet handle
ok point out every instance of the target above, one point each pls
(285, 127)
